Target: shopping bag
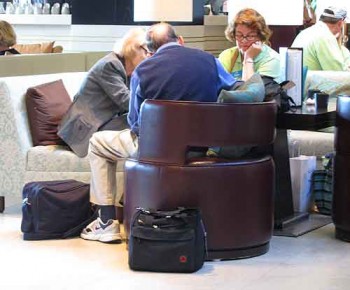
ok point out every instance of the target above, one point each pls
(301, 169)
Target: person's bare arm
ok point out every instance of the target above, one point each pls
(248, 61)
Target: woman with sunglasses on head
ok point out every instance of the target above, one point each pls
(252, 52)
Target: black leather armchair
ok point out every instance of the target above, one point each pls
(235, 196)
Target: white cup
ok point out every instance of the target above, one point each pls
(55, 9)
(10, 9)
(28, 9)
(38, 8)
(46, 8)
(19, 9)
(2, 9)
(65, 8)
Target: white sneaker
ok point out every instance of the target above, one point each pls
(106, 233)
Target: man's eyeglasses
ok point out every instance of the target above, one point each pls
(145, 49)
(248, 37)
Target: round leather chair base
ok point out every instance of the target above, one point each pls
(342, 235)
(238, 253)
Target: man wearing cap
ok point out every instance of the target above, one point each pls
(322, 43)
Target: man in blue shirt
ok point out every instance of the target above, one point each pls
(173, 72)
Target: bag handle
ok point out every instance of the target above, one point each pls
(159, 218)
(159, 213)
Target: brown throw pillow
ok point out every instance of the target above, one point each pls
(45, 47)
(46, 104)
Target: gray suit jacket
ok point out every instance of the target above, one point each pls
(103, 95)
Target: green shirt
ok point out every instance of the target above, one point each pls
(267, 62)
(321, 50)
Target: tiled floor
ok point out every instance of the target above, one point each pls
(313, 261)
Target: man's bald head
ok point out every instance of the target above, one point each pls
(159, 34)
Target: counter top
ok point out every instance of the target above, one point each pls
(41, 19)
(215, 20)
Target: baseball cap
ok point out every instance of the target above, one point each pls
(335, 13)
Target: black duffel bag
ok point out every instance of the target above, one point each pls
(56, 209)
(167, 241)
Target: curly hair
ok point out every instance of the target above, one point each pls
(252, 19)
(8, 36)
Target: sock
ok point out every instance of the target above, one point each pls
(107, 213)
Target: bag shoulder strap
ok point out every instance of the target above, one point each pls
(234, 59)
(68, 234)
(76, 230)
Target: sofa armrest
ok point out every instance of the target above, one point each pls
(14, 141)
(15, 138)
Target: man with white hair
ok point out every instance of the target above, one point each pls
(322, 43)
(104, 94)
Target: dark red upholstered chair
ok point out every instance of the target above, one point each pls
(341, 182)
(235, 196)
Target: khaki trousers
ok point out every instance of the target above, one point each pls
(106, 148)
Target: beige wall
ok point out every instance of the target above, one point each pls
(85, 44)
(75, 38)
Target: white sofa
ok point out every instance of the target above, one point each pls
(20, 162)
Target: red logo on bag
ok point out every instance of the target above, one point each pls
(183, 259)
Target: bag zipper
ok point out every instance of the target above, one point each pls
(60, 191)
